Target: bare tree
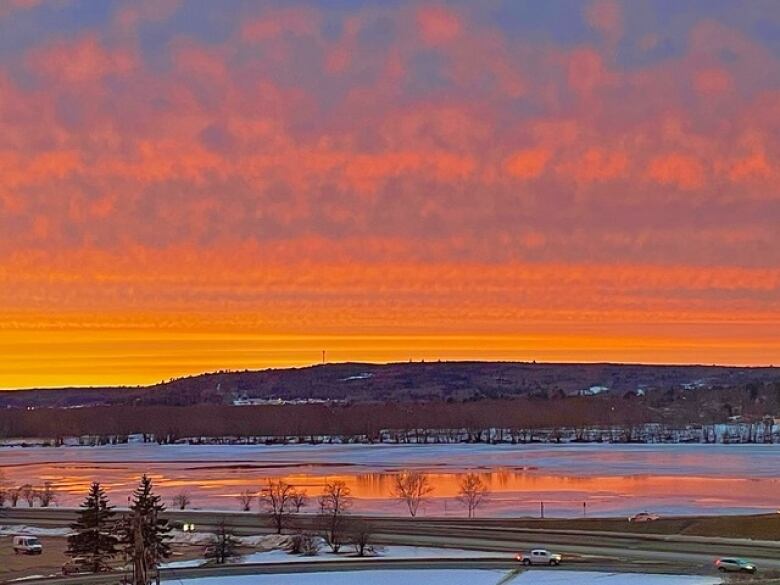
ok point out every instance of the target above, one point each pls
(223, 546)
(4, 495)
(335, 501)
(412, 488)
(359, 533)
(47, 496)
(472, 492)
(28, 494)
(182, 500)
(276, 498)
(245, 499)
(299, 500)
(14, 495)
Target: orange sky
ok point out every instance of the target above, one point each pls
(186, 189)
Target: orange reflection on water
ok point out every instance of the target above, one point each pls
(509, 488)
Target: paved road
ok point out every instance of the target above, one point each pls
(358, 565)
(597, 550)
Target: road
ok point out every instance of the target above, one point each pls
(595, 549)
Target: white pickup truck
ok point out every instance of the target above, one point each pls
(539, 556)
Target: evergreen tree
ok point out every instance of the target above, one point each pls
(145, 534)
(93, 542)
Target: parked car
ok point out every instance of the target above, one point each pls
(539, 556)
(644, 517)
(73, 566)
(27, 545)
(731, 565)
(76, 566)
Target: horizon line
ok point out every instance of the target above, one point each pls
(389, 363)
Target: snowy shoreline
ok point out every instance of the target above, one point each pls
(732, 433)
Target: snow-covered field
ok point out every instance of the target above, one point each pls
(387, 552)
(33, 531)
(454, 577)
(609, 479)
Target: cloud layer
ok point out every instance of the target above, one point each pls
(579, 172)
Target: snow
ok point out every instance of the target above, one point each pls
(265, 541)
(191, 538)
(15, 530)
(454, 577)
(383, 552)
(363, 376)
(387, 552)
(617, 480)
(421, 552)
(189, 564)
(262, 541)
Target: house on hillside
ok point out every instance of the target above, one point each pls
(593, 391)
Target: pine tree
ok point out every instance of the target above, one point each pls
(93, 544)
(145, 534)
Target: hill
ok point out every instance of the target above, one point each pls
(418, 381)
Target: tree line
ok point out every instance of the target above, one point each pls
(310, 422)
(44, 495)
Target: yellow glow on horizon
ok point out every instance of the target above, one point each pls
(93, 357)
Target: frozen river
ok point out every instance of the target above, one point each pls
(571, 480)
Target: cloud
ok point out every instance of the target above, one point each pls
(752, 166)
(9, 7)
(712, 81)
(438, 25)
(528, 163)
(427, 167)
(279, 22)
(587, 71)
(80, 60)
(678, 170)
(130, 15)
(598, 165)
(606, 16)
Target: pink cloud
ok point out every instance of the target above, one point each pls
(129, 15)
(276, 23)
(438, 25)
(82, 60)
(753, 166)
(678, 170)
(712, 81)
(587, 71)
(528, 163)
(606, 16)
(8, 7)
(597, 165)
(497, 175)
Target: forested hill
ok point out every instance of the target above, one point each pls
(357, 382)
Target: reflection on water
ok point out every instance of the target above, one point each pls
(512, 491)
(608, 479)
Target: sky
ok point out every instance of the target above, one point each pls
(188, 186)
